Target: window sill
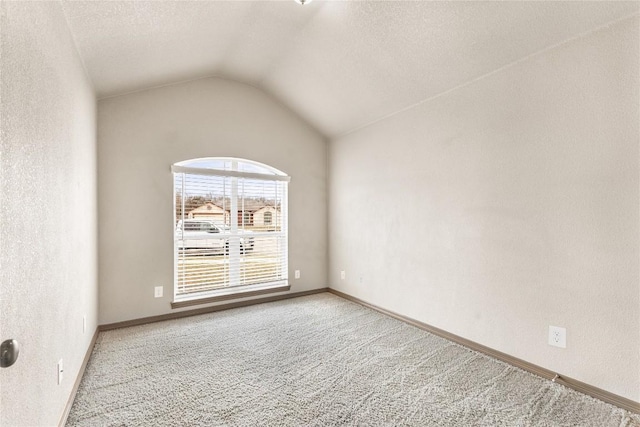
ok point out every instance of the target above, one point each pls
(228, 294)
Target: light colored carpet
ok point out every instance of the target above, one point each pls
(313, 361)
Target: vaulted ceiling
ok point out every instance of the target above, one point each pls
(338, 64)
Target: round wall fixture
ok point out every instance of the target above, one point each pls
(9, 351)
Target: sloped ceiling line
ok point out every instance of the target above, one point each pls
(341, 65)
(496, 71)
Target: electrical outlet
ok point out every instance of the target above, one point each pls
(158, 291)
(342, 275)
(557, 336)
(297, 274)
(84, 324)
(60, 371)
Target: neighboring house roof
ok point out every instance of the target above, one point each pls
(248, 206)
(209, 207)
(276, 208)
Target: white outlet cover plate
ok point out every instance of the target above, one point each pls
(60, 371)
(342, 275)
(297, 274)
(158, 291)
(557, 336)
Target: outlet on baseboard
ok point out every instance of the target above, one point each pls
(557, 336)
(158, 291)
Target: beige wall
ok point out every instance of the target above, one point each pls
(506, 206)
(48, 259)
(141, 135)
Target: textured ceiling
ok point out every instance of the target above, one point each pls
(338, 64)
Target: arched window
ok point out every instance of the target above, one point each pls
(218, 250)
(268, 218)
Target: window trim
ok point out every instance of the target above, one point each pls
(243, 292)
(233, 174)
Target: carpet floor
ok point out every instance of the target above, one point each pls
(318, 360)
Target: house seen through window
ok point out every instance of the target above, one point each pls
(230, 227)
(267, 218)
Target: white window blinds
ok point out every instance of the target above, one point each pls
(230, 226)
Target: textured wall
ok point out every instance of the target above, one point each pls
(47, 211)
(506, 206)
(141, 135)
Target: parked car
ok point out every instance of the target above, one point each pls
(210, 237)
